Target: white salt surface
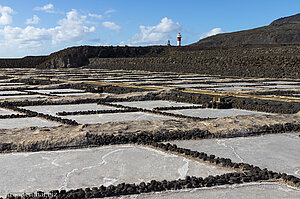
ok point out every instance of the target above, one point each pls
(246, 191)
(193, 85)
(21, 96)
(9, 83)
(53, 109)
(281, 82)
(233, 88)
(11, 92)
(114, 117)
(7, 112)
(277, 152)
(25, 122)
(73, 94)
(150, 104)
(48, 91)
(29, 172)
(240, 84)
(281, 86)
(213, 113)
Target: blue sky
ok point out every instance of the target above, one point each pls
(39, 27)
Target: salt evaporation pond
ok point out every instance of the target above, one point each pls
(239, 84)
(7, 112)
(114, 117)
(246, 191)
(49, 91)
(214, 113)
(11, 92)
(21, 96)
(53, 109)
(277, 152)
(282, 86)
(80, 168)
(73, 94)
(153, 104)
(11, 123)
(281, 82)
(193, 85)
(233, 88)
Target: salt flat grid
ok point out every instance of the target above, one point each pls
(278, 152)
(11, 123)
(115, 117)
(94, 167)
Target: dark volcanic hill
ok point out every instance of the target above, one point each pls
(285, 30)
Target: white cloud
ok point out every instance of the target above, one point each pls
(47, 8)
(27, 37)
(212, 32)
(72, 28)
(110, 11)
(5, 18)
(111, 25)
(156, 34)
(34, 20)
(97, 16)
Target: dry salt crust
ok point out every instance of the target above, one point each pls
(114, 117)
(48, 91)
(73, 94)
(193, 85)
(29, 172)
(233, 88)
(246, 191)
(12, 123)
(214, 113)
(7, 112)
(282, 86)
(9, 84)
(11, 92)
(240, 84)
(21, 96)
(53, 109)
(277, 152)
(153, 104)
(281, 82)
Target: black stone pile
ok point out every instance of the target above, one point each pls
(44, 102)
(178, 108)
(247, 173)
(90, 112)
(122, 90)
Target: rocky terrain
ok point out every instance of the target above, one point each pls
(281, 31)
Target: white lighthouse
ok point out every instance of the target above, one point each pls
(178, 39)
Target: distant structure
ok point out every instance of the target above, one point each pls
(178, 39)
(169, 43)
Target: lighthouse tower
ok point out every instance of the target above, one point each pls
(178, 39)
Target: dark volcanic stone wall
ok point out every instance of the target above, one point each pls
(275, 66)
(26, 62)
